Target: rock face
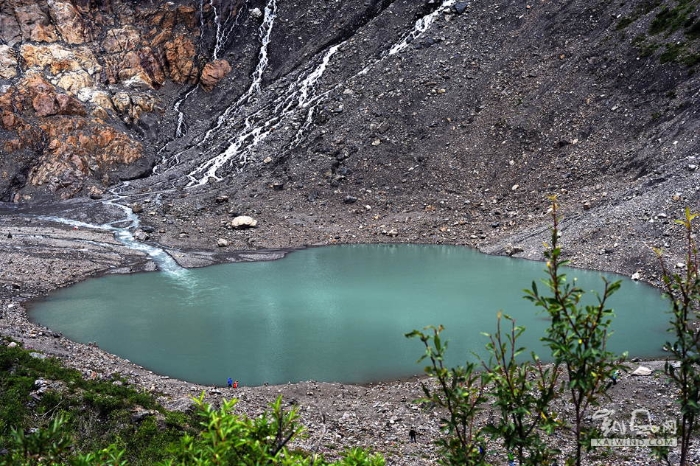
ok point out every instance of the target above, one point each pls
(78, 82)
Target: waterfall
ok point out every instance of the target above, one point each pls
(181, 115)
(298, 98)
(420, 27)
(265, 31)
(251, 121)
(223, 30)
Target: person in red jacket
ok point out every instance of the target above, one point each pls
(235, 384)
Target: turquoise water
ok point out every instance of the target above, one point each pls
(329, 314)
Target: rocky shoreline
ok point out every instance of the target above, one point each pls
(39, 255)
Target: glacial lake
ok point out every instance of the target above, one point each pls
(335, 314)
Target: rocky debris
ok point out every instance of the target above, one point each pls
(378, 416)
(513, 250)
(460, 7)
(256, 13)
(68, 21)
(222, 242)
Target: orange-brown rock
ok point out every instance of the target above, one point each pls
(61, 55)
(76, 151)
(34, 24)
(140, 69)
(119, 40)
(179, 54)
(12, 145)
(45, 104)
(68, 105)
(213, 72)
(152, 65)
(68, 21)
(59, 59)
(133, 106)
(100, 114)
(161, 37)
(168, 20)
(187, 15)
(74, 82)
(35, 84)
(8, 120)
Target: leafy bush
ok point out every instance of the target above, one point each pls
(226, 439)
(523, 391)
(683, 290)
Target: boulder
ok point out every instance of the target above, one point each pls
(10, 32)
(59, 59)
(512, 250)
(73, 82)
(222, 242)
(642, 370)
(243, 221)
(121, 102)
(460, 7)
(214, 72)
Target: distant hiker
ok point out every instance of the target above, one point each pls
(613, 379)
(412, 435)
(235, 384)
(511, 459)
(229, 382)
(9, 236)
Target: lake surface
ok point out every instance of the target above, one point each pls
(335, 313)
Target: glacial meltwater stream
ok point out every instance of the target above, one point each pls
(329, 314)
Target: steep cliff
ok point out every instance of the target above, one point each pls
(79, 82)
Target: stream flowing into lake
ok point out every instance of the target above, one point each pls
(336, 314)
